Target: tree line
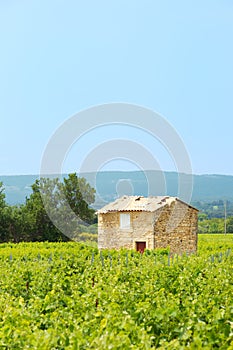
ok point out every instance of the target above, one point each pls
(64, 202)
(214, 225)
(45, 215)
(215, 209)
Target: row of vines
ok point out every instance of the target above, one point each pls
(69, 296)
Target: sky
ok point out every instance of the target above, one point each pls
(62, 57)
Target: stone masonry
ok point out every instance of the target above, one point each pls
(172, 225)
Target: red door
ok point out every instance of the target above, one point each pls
(140, 246)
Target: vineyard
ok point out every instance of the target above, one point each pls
(70, 296)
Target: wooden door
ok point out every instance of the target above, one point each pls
(140, 246)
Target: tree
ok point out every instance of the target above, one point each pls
(4, 217)
(44, 198)
(230, 225)
(18, 224)
(54, 211)
(11, 223)
(214, 225)
(57, 208)
(2, 196)
(79, 195)
(202, 217)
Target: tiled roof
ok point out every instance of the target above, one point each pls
(137, 203)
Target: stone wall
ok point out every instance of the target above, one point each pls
(173, 226)
(110, 235)
(176, 227)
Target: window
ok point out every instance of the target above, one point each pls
(125, 221)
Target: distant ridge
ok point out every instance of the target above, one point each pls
(111, 184)
(17, 187)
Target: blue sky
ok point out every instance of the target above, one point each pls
(60, 57)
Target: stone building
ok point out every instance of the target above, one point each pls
(136, 222)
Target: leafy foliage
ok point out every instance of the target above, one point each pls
(79, 195)
(54, 207)
(70, 296)
(214, 209)
(214, 225)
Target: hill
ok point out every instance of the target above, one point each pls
(111, 184)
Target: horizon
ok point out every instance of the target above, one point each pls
(109, 184)
(117, 170)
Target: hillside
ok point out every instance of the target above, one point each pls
(111, 184)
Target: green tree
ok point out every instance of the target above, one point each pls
(18, 223)
(79, 195)
(37, 210)
(4, 216)
(55, 209)
(202, 217)
(214, 225)
(2, 196)
(230, 225)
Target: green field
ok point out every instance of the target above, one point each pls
(68, 296)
